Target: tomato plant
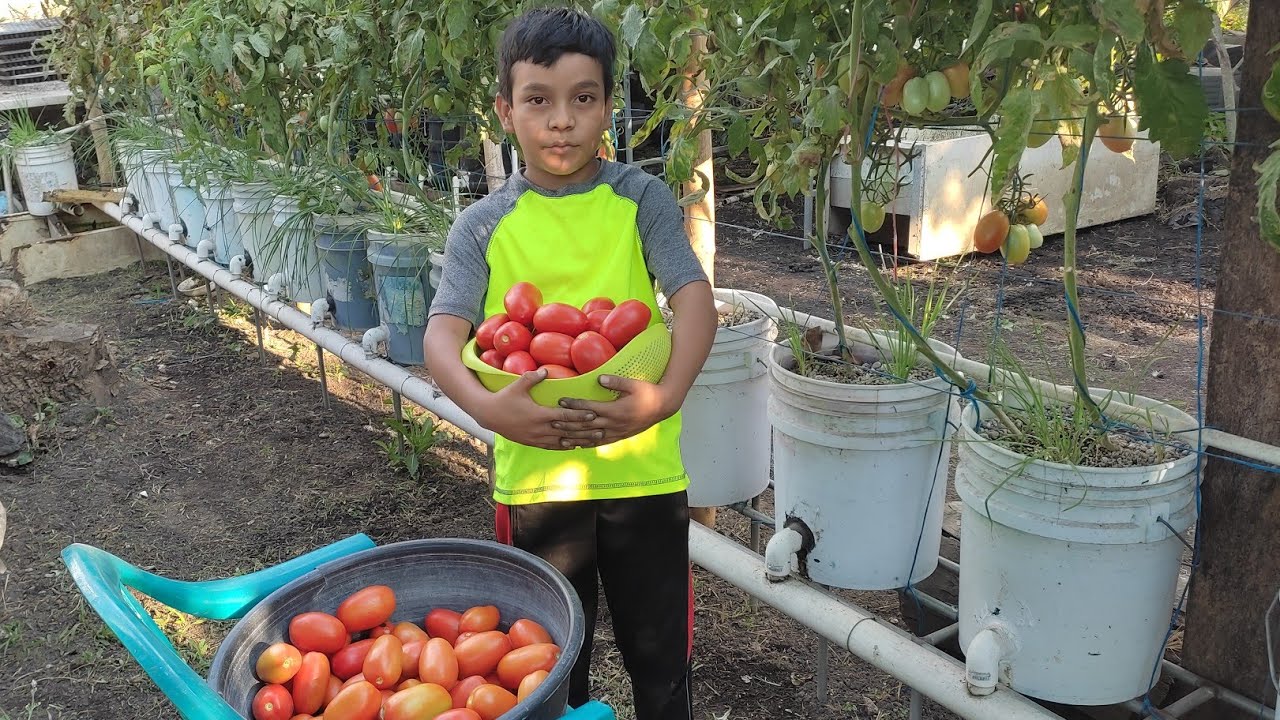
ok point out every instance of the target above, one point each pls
(311, 683)
(590, 350)
(382, 664)
(1017, 246)
(871, 216)
(272, 702)
(626, 321)
(1117, 134)
(278, 663)
(367, 608)
(990, 232)
(527, 632)
(491, 701)
(1037, 212)
(551, 348)
(317, 632)
(479, 654)
(560, 318)
(522, 301)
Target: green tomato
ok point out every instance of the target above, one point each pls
(1017, 246)
(871, 216)
(324, 124)
(1041, 130)
(1037, 237)
(939, 91)
(915, 96)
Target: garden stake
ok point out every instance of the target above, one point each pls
(398, 410)
(173, 285)
(824, 652)
(257, 321)
(752, 602)
(324, 381)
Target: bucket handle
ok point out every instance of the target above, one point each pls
(105, 580)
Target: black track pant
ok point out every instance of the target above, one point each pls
(639, 547)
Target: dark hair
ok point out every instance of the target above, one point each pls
(544, 34)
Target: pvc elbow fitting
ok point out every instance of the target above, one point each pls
(175, 233)
(982, 659)
(236, 266)
(319, 308)
(369, 341)
(204, 249)
(778, 554)
(275, 285)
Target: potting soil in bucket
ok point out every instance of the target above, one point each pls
(348, 276)
(44, 167)
(292, 244)
(1069, 568)
(188, 206)
(251, 205)
(424, 575)
(220, 220)
(402, 269)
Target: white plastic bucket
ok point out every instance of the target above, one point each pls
(724, 438)
(189, 209)
(864, 467)
(220, 220)
(251, 206)
(157, 197)
(1072, 563)
(44, 167)
(130, 155)
(292, 246)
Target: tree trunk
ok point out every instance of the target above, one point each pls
(1240, 522)
(494, 172)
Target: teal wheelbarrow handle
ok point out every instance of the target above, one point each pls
(105, 580)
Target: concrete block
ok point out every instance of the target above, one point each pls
(35, 257)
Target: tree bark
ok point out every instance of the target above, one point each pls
(1239, 529)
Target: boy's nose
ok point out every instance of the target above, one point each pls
(561, 118)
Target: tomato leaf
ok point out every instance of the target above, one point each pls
(1123, 17)
(1268, 184)
(981, 15)
(1271, 92)
(1016, 113)
(632, 24)
(294, 59)
(1000, 45)
(1192, 24)
(1104, 74)
(1171, 104)
(1073, 36)
(738, 137)
(260, 44)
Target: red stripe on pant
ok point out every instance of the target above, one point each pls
(502, 524)
(690, 653)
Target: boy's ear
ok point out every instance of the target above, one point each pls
(503, 108)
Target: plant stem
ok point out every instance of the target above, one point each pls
(820, 244)
(1071, 206)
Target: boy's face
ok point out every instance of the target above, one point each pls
(558, 114)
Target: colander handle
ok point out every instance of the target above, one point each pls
(105, 581)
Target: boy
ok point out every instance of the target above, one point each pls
(594, 488)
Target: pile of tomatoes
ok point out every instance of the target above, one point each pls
(564, 340)
(357, 665)
(1015, 241)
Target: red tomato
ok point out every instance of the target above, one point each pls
(519, 363)
(511, 337)
(518, 663)
(382, 664)
(491, 701)
(480, 619)
(522, 301)
(360, 701)
(278, 663)
(410, 655)
(527, 632)
(420, 702)
(531, 683)
(464, 636)
(492, 358)
(560, 318)
(625, 322)
(486, 329)
(458, 714)
(464, 688)
(357, 678)
(492, 679)
(559, 372)
(409, 632)
(367, 608)
(552, 348)
(438, 664)
(590, 350)
(480, 654)
(350, 660)
(311, 683)
(595, 319)
(443, 623)
(272, 702)
(331, 692)
(385, 628)
(597, 304)
(406, 684)
(317, 632)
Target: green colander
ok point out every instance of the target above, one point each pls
(644, 358)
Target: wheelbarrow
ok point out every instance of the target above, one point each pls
(450, 573)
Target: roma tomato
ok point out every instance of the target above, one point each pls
(443, 623)
(1037, 238)
(479, 655)
(331, 692)
(458, 714)
(915, 96)
(551, 348)
(595, 319)
(367, 608)
(531, 683)
(590, 350)
(464, 636)
(1117, 134)
(939, 91)
(385, 628)
(409, 632)
(361, 701)
(625, 322)
(1038, 213)
(406, 684)
(893, 90)
(1017, 247)
(560, 318)
(559, 372)
(599, 303)
(519, 363)
(410, 656)
(491, 701)
(278, 663)
(481, 618)
(492, 358)
(464, 688)
(438, 664)
(1042, 129)
(872, 216)
(420, 702)
(990, 232)
(382, 664)
(317, 632)
(272, 702)
(527, 632)
(350, 660)
(357, 678)
(518, 663)
(311, 684)
(511, 337)
(958, 78)
(484, 333)
(522, 301)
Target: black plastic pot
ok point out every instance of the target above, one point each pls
(424, 574)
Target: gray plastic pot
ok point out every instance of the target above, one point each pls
(425, 574)
(348, 277)
(405, 273)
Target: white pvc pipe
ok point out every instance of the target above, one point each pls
(416, 389)
(782, 547)
(925, 668)
(982, 659)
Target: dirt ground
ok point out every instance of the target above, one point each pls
(212, 462)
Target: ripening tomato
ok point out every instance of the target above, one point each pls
(1037, 238)
(522, 301)
(464, 688)
(597, 303)
(552, 348)
(893, 90)
(595, 319)
(438, 664)
(385, 628)
(486, 329)
(350, 660)
(367, 608)
(527, 632)
(479, 655)
(361, 701)
(464, 636)
(443, 623)
(481, 618)
(317, 632)
(590, 350)
(410, 655)
(559, 372)
(278, 663)
(915, 96)
(1038, 213)
(511, 337)
(272, 702)
(519, 363)
(491, 701)
(958, 78)
(560, 318)
(1117, 134)
(331, 692)
(459, 713)
(311, 683)
(990, 232)
(531, 683)
(357, 678)
(382, 664)
(515, 665)
(408, 683)
(1016, 247)
(420, 702)
(410, 632)
(626, 321)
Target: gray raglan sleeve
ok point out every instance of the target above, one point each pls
(466, 271)
(666, 247)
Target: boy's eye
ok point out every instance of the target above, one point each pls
(585, 98)
(537, 100)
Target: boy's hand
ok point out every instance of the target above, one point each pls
(640, 405)
(514, 415)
